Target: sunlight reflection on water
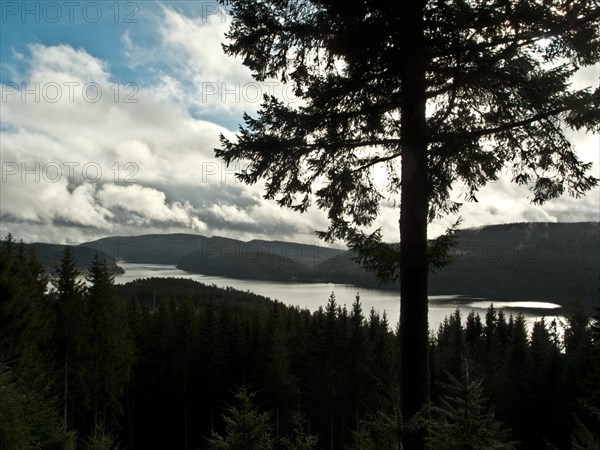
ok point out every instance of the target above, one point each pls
(314, 295)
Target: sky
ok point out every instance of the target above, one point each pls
(110, 113)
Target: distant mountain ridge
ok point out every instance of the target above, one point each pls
(171, 248)
(49, 255)
(524, 261)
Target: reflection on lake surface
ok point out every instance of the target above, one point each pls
(313, 295)
(531, 305)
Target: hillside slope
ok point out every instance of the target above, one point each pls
(49, 255)
(532, 261)
(557, 262)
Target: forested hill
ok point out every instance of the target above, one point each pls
(557, 262)
(49, 255)
(171, 248)
(527, 261)
(150, 290)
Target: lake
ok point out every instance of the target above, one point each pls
(313, 295)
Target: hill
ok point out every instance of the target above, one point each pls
(149, 290)
(49, 255)
(532, 261)
(557, 262)
(171, 248)
(150, 248)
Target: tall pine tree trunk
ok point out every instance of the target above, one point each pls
(414, 368)
(331, 427)
(185, 413)
(66, 392)
(131, 412)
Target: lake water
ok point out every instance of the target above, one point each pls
(313, 295)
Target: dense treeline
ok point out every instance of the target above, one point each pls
(332, 365)
(174, 364)
(65, 353)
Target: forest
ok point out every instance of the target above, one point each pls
(175, 364)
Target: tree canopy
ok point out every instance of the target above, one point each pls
(497, 91)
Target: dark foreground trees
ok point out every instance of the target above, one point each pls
(65, 353)
(436, 94)
(328, 375)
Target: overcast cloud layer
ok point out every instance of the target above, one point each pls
(99, 147)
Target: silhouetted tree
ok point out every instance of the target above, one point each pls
(71, 335)
(463, 421)
(110, 347)
(245, 426)
(457, 91)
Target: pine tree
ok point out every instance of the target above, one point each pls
(451, 348)
(100, 439)
(455, 91)
(184, 364)
(514, 381)
(245, 427)
(360, 362)
(25, 316)
(473, 335)
(380, 428)
(587, 433)
(330, 379)
(591, 384)
(161, 353)
(27, 419)
(493, 352)
(71, 334)
(110, 346)
(545, 406)
(300, 438)
(281, 381)
(463, 420)
(582, 339)
(578, 345)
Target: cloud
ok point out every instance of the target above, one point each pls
(149, 205)
(192, 69)
(139, 158)
(83, 169)
(45, 203)
(64, 63)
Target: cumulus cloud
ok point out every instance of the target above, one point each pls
(84, 169)
(64, 63)
(138, 159)
(148, 204)
(194, 71)
(44, 203)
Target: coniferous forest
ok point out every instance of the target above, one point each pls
(175, 364)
